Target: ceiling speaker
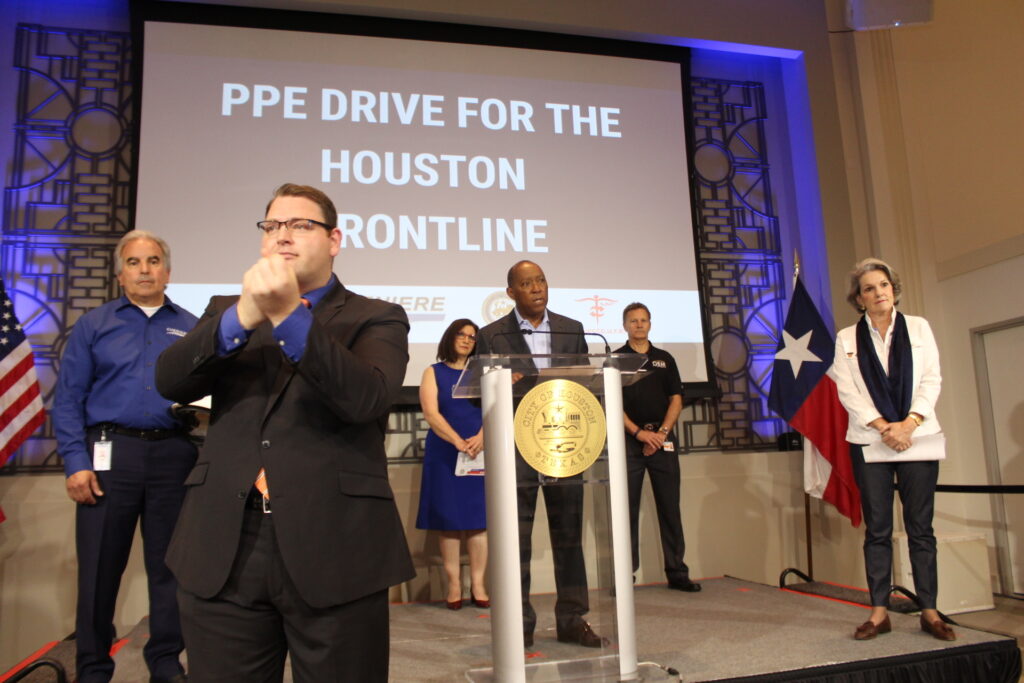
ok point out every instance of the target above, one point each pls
(865, 15)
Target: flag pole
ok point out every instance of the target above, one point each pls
(807, 496)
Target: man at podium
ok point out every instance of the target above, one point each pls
(532, 329)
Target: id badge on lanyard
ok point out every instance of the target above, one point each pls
(102, 452)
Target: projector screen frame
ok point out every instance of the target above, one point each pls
(433, 31)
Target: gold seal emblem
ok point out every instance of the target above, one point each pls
(560, 428)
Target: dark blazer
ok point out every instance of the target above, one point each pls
(503, 336)
(564, 503)
(317, 427)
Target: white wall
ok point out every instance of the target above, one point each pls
(1000, 287)
(38, 568)
(932, 150)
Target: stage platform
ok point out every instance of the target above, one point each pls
(733, 630)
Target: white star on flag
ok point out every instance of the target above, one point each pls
(796, 352)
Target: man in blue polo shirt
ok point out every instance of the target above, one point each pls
(125, 456)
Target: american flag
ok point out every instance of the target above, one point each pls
(21, 405)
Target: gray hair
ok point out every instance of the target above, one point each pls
(130, 237)
(866, 266)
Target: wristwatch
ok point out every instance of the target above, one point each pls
(664, 430)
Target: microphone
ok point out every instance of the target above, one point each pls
(517, 333)
(607, 348)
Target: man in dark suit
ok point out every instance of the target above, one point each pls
(563, 498)
(289, 536)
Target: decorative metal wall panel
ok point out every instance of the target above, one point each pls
(66, 198)
(740, 263)
(71, 169)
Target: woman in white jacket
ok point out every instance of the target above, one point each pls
(887, 372)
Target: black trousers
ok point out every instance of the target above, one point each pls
(915, 482)
(144, 482)
(244, 633)
(563, 501)
(663, 470)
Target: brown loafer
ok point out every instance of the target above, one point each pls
(869, 629)
(937, 629)
(581, 634)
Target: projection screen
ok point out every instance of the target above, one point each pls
(448, 163)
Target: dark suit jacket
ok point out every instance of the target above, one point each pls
(503, 337)
(317, 427)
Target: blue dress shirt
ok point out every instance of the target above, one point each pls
(107, 373)
(291, 334)
(538, 343)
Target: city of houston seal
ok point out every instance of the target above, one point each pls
(560, 428)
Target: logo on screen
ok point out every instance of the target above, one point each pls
(496, 305)
(598, 306)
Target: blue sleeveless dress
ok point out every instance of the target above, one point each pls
(447, 502)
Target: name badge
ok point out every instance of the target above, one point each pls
(101, 455)
(669, 447)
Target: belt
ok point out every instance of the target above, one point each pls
(144, 434)
(256, 501)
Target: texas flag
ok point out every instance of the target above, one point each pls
(805, 396)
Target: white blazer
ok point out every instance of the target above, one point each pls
(853, 393)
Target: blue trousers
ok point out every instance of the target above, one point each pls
(144, 482)
(915, 482)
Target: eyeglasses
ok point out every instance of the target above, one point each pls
(301, 225)
(463, 335)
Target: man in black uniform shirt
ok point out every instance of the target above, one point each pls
(652, 406)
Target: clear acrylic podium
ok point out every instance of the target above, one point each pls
(490, 378)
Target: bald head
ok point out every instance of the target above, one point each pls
(528, 287)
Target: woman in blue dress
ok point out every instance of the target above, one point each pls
(451, 505)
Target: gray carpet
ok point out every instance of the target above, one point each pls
(732, 628)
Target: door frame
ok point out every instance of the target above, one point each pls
(991, 450)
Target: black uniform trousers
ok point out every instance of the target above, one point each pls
(563, 502)
(244, 633)
(915, 481)
(145, 482)
(663, 469)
